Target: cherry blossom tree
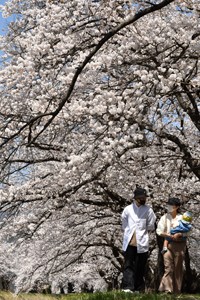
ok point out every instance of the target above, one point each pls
(96, 98)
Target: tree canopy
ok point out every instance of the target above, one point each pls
(96, 98)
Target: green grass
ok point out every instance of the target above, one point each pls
(115, 295)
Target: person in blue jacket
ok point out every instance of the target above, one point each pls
(137, 219)
(184, 226)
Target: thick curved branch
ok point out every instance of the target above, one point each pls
(193, 163)
(106, 38)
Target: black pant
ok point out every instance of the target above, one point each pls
(134, 269)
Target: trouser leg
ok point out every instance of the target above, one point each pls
(173, 262)
(166, 283)
(141, 261)
(179, 254)
(128, 281)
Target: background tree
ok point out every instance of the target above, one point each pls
(96, 97)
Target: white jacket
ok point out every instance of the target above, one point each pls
(138, 219)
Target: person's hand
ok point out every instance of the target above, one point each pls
(177, 237)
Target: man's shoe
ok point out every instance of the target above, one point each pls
(127, 291)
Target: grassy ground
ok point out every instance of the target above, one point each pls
(97, 296)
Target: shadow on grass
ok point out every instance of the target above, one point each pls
(115, 295)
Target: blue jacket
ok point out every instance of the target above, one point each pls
(183, 227)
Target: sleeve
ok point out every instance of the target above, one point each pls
(124, 218)
(161, 226)
(181, 228)
(187, 230)
(151, 218)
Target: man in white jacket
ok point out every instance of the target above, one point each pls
(137, 219)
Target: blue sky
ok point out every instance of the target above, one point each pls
(3, 22)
